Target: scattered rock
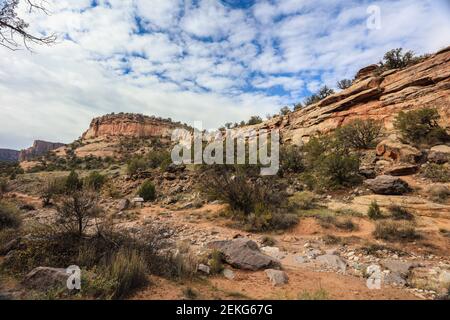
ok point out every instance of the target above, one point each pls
(394, 279)
(402, 170)
(123, 204)
(300, 259)
(333, 261)
(387, 185)
(243, 253)
(398, 267)
(277, 277)
(204, 268)
(229, 274)
(274, 252)
(44, 278)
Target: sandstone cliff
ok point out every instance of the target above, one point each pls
(38, 149)
(133, 125)
(9, 155)
(375, 96)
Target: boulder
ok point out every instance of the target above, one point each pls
(123, 204)
(398, 267)
(44, 278)
(277, 277)
(391, 149)
(204, 268)
(173, 168)
(333, 261)
(274, 252)
(439, 154)
(402, 170)
(229, 274)
(387, 185)
(244, 253)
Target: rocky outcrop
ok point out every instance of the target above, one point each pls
(387, 185)
(38, 149)
(131, 125)
(44, 278)
(374, 96)
(9, 155)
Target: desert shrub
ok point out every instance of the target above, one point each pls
(9, 216)
(283, 221)
(95, 181)
(190, 293)
(320, 294)
(135, 165)
(128, 270)
(73, 182)
(396, 59)
(3, 186)
(291, 160)
(395, 231)
(329, 165)
(320, 95)
(110, 190)
(374, 211)
(303, 201)
(158, 158)
(254, 120)
(359, 134)
(147, 191)
(52, 188)
(268, 241)
(436, 172)
(421, 126)
(285, 111)
(400, 213)
(346, 224)
(344, 84)
(78, 212)
(215, 262)
(439, 193)
(331, 240)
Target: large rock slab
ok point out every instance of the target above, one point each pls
(388, 185)
(244, 253)
(332, 261)
(44, 278)
(402, 170)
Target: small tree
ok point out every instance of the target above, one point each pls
(374, 211)
(291, 159)
(135, 165)
(421, 126)
(285, 111)
(73, 182)
(147, 191)
(344, 84)
(254, 120)
(359, 134)
(78, 211)
(396, 59)
(52, 188)
(320, 95)
(95, 181)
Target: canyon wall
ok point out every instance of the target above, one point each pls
(38, 149)
(9, 155)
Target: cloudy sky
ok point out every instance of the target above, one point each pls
(211, 60)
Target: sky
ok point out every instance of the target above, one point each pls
(214, 61)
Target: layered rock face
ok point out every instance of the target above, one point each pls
(9, 155)
(132, 125)
(38, 149)
(375, 96)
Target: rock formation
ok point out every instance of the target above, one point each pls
(132, 125)
(375, 96)
(38, 149)
(9, 155)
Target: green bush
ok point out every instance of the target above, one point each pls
(359, 134)
(344, 84)
(374, 211)
(95, 181)
(3, 186)
(396, 59)
(436, 172)
(9, 216)
(73, 182)
(51, 189)
(320, 95)
(254, 120)
(291, 160)
(147, 191)
(216, 262)
(421, 126)
(400, 213)
(303, 201)
(395, 231)
(135, 165)
(158, 159)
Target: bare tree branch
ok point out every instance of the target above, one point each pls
(13, 29)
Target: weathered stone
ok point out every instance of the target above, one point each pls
(229, 274)
(387, 185)
(402, 170)
(277, 277)
(204, 268)
(333, 261)
(274, 252)
(243, 253)
(394, 279)
(392, 149)
(399, 267)
(430, 278)
(123, 204)
(44, 278)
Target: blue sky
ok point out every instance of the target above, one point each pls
(215, 61)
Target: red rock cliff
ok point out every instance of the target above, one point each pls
(38, 149)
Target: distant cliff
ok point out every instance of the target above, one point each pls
(38, 149)
(9, 155)
(130, 124)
